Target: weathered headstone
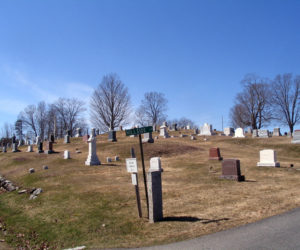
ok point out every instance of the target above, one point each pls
(67, 154)
(249, 130)
(193, 138)
(155, 190)
(276, 132)
(229, 131)
(268, 158)
(78, 132)
(148, 138)
(254, 133)
(15, 148)
(30, 148)
(231, 170)
(92, 158)
(67, 139)
(117, 158)
(239, 133)
(49, 147)
(4, 150)
(112, 136)
(206, 129)
(263, 133)
(163, 131)
(40, 148)
(296, 137)
(214, 154)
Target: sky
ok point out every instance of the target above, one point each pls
(195, 52)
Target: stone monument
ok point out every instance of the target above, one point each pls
(268, 158)
(263, 133)
(78, 132)
(276, 132)
(229, 131)
(231, 170)
(148, 138)
(163, 131)
(296, 137)
(92, 158)
(112, 136)
(239, 133)
(206, 129)
(214, 154)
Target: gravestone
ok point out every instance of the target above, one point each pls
(249, 130)
(263, 133)
(97, 131)
(239, 133)
(148, 138)
(30, 148)
(112, 136)
(206, 129)
(163, 131)
(296, 137)
(154, 186)
(268, 158)
(188, 126)
(229, 131)
(49, 147)
(78, 132)
(67, 139)
(92, 158)
(85, 138)
(174, 126)
(15, 148)
(37, 140)
(67, 155)
(254, 133)
(165, 124)
(214, 154)
(52, 139)
(182, 135)
(4, 150)
(231, 170)
(40, 148)
(108, 159)
(276, 132)
(196, 131)
(117, 158)
(20, 143)
(193, 138)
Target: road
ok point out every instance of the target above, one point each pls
(277, 232)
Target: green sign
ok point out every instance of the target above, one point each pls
(137, 131)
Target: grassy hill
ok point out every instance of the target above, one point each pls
(95, 205)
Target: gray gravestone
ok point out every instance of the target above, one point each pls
(112, 136)
(148, 138)
(263, 133)
(92, 156)
(40, 148)
(296, 137)
(276, 132)
(254, 133)
(15, 147)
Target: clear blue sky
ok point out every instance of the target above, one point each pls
(195, 52)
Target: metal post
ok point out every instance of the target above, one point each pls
(144, 174)
(136, 187)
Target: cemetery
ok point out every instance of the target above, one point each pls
(70, 199)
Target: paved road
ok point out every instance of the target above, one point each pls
(277, 232)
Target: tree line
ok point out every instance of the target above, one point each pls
(110, 108)
(263, 101)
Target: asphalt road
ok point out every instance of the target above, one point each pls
(277, 232)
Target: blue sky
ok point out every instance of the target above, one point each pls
(195, 52)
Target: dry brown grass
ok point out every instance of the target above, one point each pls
(195, 200)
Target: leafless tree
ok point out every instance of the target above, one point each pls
(182, 122)
(28, 116)
(69, 111)
(286, 99)
(152, 109)
(253, 105)
(110, 104)
(7, 130)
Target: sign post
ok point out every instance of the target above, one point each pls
(139, 131)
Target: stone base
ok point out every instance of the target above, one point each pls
(268, 164)
(233, 177)
(49, 152)
(216, 158)
(92, 161)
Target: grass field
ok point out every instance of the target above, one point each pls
(95, 205)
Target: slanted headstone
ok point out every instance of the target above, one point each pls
(255, 133)
(40, 148)
(112, 136)
(263, 133)
(49, 147)
(229, 131)
(78, 132)
(206, 129)
(155, 190)
(30, 148)
(148, 138)
(92, 158)
(296, 137)
(239, 133)
(182, 135)
(67, 154)
(214, 154)
(231, 170)
(276, 132)
(163, 131)
(268, 158)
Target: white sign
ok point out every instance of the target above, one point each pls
(134, 179)
(131, 165)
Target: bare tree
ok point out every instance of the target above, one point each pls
(7, 130)
(19, 129)
(28, 116)
(152, 109)
(286, 100)
(252, 106)
(69, 111)
(110, 103)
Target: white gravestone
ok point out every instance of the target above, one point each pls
(268, 158)
(296, 137)
(255, 133)
(30, 148)
(229, 131)
(206, 129)
(163, 132)
(92, 158)
(239, 133)
(276, 132)
(155, 164)
(263, 133)
(66, 154)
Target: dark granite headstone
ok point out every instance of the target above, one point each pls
(214, 154)
(40, 148)
(112, 136)
(13, 139)
(49, 148)
(51, 138)
(231, 170)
